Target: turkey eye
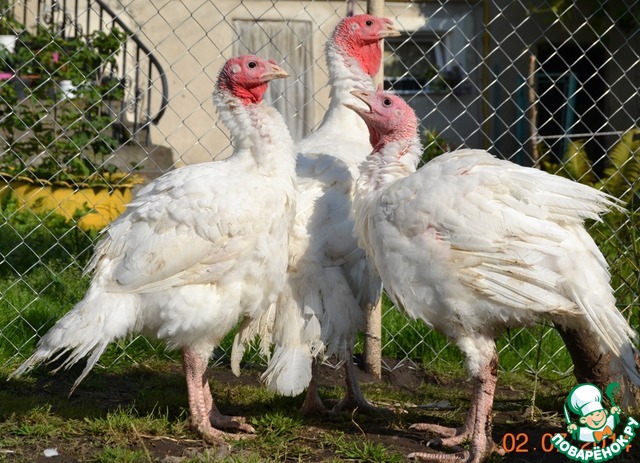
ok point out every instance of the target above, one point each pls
(369, 23)
(252, 64)
(386, 102)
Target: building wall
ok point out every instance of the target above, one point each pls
(192, 40)
(457, 115)
(491, 40)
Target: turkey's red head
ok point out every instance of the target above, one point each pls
(388, 117)
(246, 77)
(359, 37)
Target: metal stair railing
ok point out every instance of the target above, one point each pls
(138, 70)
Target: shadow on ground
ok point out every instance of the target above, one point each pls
(140, 414)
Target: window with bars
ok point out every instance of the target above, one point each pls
(422, 62)
(412, 63)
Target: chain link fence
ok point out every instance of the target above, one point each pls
(107, 94)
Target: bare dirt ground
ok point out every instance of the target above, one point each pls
(401, 394)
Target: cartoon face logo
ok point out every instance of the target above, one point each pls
(594, 420)
(596, 423)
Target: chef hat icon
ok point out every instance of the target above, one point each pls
(584, 399)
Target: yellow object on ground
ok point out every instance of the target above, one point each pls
(92, 206)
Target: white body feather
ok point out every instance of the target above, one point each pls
(329, 281)
(472, 245)
(194, 252)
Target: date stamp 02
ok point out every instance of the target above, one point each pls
(523, 442)
(591, 438)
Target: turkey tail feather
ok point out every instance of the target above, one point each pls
(87, 329)
(289, 371)
(616, 337)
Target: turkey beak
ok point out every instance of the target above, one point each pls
(388, 31)
(362, 96)
(274, 72)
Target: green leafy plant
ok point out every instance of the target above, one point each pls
(44, 133)
(600, 15)
(434, 145)
(278, 426)
(619, 178)
(80, 59)
(622, 174)
(8, 24)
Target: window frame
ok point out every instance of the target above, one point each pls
(432, 85)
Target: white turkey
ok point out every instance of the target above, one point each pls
(330, 284)
(472, 245)
(197, 250)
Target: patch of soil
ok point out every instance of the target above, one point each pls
(527, 440)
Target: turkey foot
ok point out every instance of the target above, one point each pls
(350, 404)
(220, 421)
(214, 436)
(210, 427)
(205, 416)
(476, 455)
(234, 423)
(312, 405)
(477, 427)
(354, 398)
(480, 452)
(442, 431)
(460, 457)
(449, 437)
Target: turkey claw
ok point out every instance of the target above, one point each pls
(233, 423)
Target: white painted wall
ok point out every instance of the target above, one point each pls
(193, 39)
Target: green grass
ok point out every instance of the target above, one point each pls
(121, 455)
(403, 337)
(363, 450)
(535, 349)
(136, 415)
(618, 238)
(139, 414)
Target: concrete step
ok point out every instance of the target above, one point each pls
(147, 161)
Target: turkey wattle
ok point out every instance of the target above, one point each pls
(195, 251)
(473, 245)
